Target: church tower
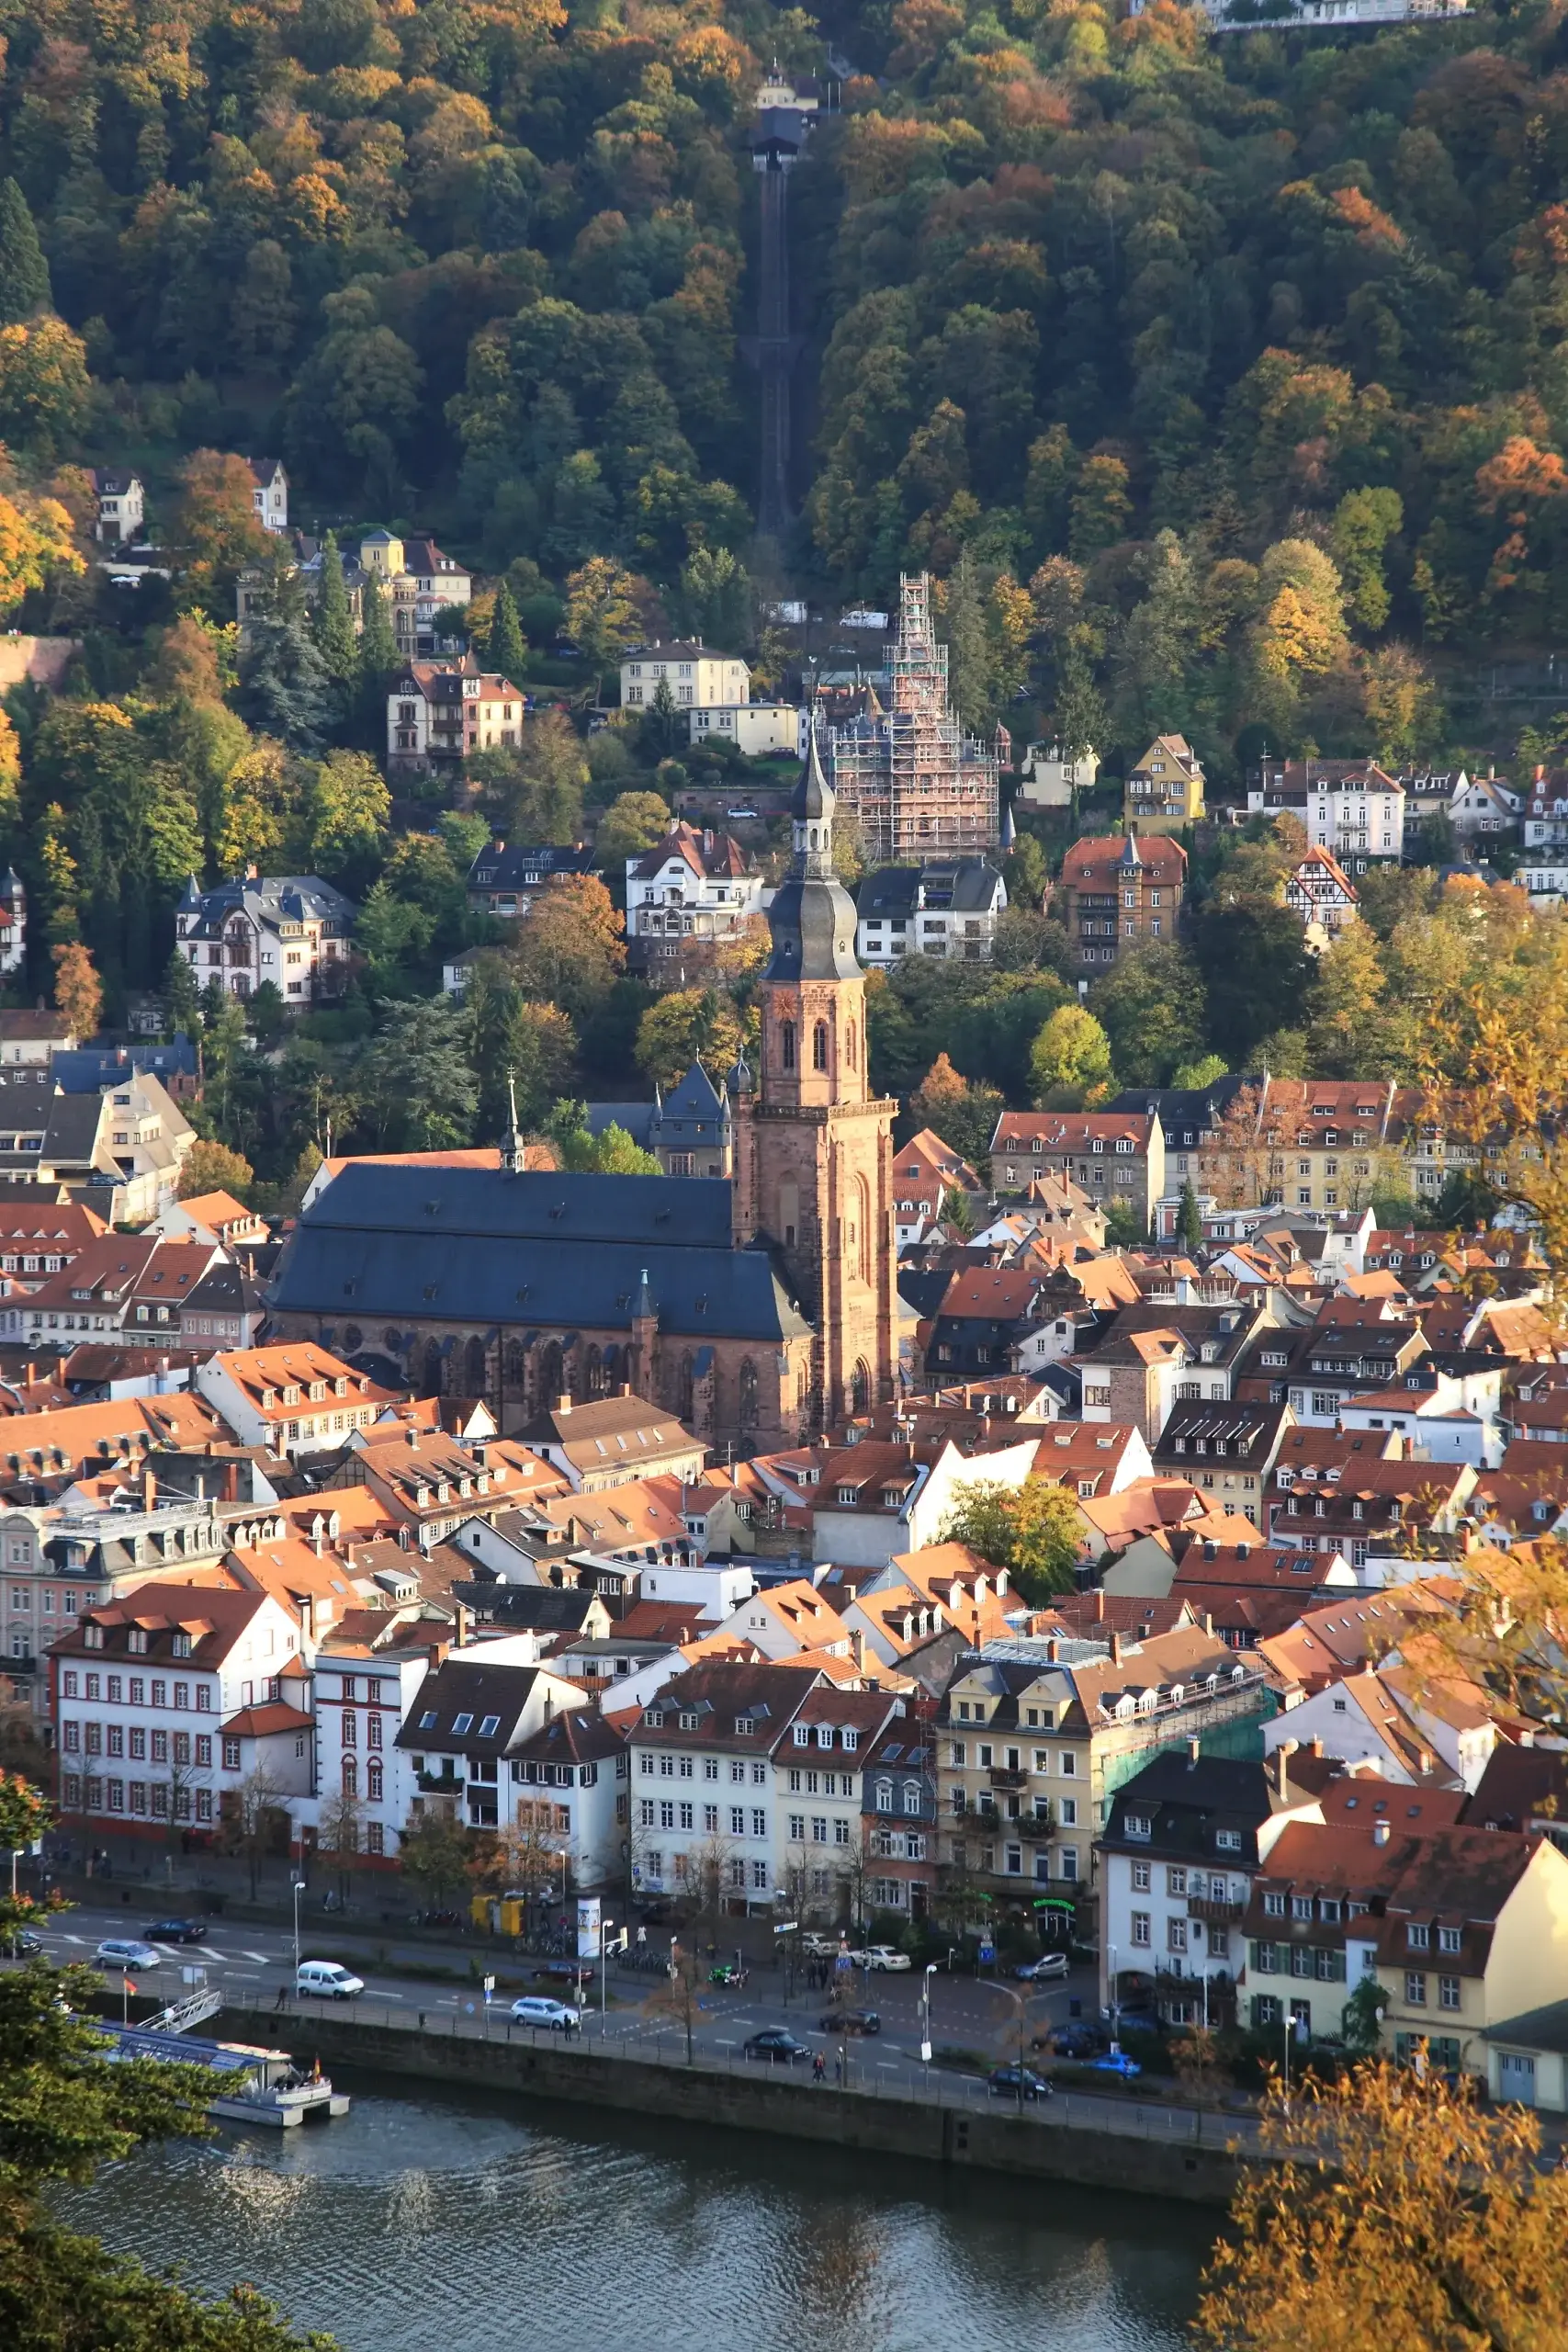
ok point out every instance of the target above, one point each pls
(813, 1147)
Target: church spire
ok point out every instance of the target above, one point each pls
(513, 1154)
(812, 917)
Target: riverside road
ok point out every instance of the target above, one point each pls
(975, 2022)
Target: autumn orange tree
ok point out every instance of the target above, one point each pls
(77, 990)
(1404, 2217)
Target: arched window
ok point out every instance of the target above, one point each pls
(819, 1045)
(860, 1231)
(350, 1776)
(685, 1400)
(373, 1782)
(431, 1384)
(860, 1387)
(593, 1374)
(551, 1373)
(353, 1337)
(393, 1341)
(786, 1044)
(850, 1046)
(475, 1379)
(748, 1394)
(612, 1371)
(516, 1363)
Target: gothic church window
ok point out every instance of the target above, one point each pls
(819, 1045)
(786, 1043)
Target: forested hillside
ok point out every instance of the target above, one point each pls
(1247, 351)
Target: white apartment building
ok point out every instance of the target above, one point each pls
(123, 507)
(694, 892)
(696, 676)
(704, 1800)
(1052, 775)
(948, 908)
(290, 928)
(755, 728)
(1351, 807)
(143, 1692)
(270, 495)
(363, 1691)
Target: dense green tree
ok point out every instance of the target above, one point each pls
(505, 649)
(1070, 1060)
(24, 273)
(332, 624)
(1150, 1005)
(534, 791)
(420, 1090)
(285, 687)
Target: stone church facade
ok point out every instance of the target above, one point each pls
(759, 1312)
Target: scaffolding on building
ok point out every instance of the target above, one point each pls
(917, 783)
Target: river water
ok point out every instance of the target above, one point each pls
(453, 2224)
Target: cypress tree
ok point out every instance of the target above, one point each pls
(1189, 1220)
(378, 659)
(336, 641)
(24, 273)
(506, 648)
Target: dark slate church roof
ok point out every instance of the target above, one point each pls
(479, 1245)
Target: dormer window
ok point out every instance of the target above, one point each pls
(137, 1641)
(688, 1719)
(744, 1726)
(652, 1717)
(848, 1741)
(824, 1735)
(93, 1636)
(182, 1646)
(803, 1736)
(1137, 1825)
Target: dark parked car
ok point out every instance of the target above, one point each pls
(1018, 2081)
(1071, 2041)
(776, 2045)
(850, 2021)
(175, 1931)
(21, 1944)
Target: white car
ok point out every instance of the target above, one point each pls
(884, 1956)
(534, 2008)
(124, 1952)
(327, 1980)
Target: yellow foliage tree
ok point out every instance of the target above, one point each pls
(1405, 2215)
(35, 541)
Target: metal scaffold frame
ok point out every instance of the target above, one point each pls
(916, 783)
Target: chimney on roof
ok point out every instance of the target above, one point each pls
(148, 1489)
(1209, 1622)
(32, 1374)
(857, 1647)
(461, 1629)
(563, 1406)
(1380, 1833)
(414, 1437)
(1194, 1749)
(1115, 1648)
(1282, 1755)
(1052, 1648)
(1314, 1745)
(1100, 1604)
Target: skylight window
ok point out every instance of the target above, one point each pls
(462, 1723)
(488, 1726)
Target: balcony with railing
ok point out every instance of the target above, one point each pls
(1001, 1778)
(1218, 1912)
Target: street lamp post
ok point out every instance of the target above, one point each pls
(932, 1967)
(299, 1891)
(1115, 2002)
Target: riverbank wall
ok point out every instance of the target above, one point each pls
(785, 2106)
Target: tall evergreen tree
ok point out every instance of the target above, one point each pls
(335, 640)
(1189, 1221)
(505, 648)
(24, 273)
(182, 998)
(378, 659)
(286, 689)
